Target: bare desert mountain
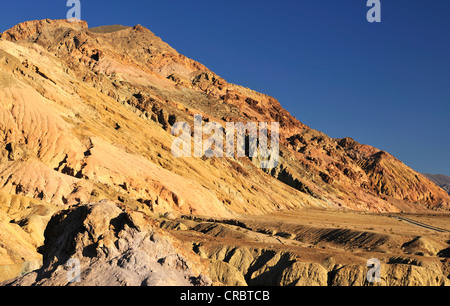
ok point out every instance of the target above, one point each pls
(441, 180)
(86, 115)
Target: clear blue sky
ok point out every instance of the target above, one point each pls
(386, 84)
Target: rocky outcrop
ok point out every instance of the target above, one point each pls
(22, 222)
(111, 246)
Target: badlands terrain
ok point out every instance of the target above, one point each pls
(87, 173)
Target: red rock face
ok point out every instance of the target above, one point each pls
(93, 111)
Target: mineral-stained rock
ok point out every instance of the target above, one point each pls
(111, 246)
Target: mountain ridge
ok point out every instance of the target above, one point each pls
(441, 180)
(85, 135)
(167, 84)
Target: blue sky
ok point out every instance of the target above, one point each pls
(384, 84)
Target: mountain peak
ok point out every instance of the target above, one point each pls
(27, 29)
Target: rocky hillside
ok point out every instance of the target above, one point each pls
(441, 180)
(86, 115)
(88, 107)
